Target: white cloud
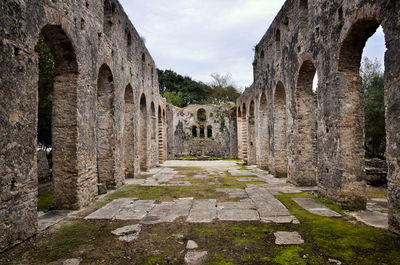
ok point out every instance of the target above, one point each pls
(197, 38)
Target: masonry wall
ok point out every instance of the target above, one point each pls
(183, 142)
(98, 54)
(324, 133)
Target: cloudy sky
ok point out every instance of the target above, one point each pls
(197, 38)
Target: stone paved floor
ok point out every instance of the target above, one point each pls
(257, 201)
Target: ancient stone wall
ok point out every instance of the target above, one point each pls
(202, 131)
(103, 70)
(318, 138)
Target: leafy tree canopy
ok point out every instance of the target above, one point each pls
(373, 86)
(182, 91)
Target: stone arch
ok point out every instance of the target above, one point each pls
(128, 138)
(252, 133)
(306, 106)
(201, 115)
(105, 127)
(153, 128)
(263, 129)
(64, 118)
(244, 133)
(351, 122)
(160, 136)
(143, 146)
(280, 124)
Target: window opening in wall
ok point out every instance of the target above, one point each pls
(153, 121)
(108, 14)
(209, 131)
(201, 131)
(194, 131)
(201, 115)
(278, 42)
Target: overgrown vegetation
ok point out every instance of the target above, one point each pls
(45, 87)
(373, 87)
(182, 91)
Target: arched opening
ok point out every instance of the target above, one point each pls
(57, 121)
(303, 6)
(263, 137)
(143, 67)
(280, 124)
(105, 127)
(109, 9)
(201, 115)
(153, 121)
(252, 134)
(202, 131)
(128, 139)
(306, 105)
(353, 117)
(239, 131)
(194, 131)
(160, 136)
(278, 43)
(244, 133)
(143, 133)
(209, 131)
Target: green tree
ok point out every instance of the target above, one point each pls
(223, 89)
(373, 87)
(45, 89)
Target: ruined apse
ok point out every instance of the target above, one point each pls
(202, 131)
(317, 137)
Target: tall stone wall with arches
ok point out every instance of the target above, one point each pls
(317, 137)
(108, 123)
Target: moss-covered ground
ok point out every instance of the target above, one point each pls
(226, 242)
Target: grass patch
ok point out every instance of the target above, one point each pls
(336, 238)
(189, 171)
(45, 198)
(162, 194)
(256, 182)
(189, 158)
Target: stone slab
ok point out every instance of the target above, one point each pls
(372, 218)
(241, 173)
(250, 179)
(290, 219)
(111, 209)
(167, 212)
(191, 245)
(136, 210)
(315, 207)
(195, 257)
(46, 220)
(266, 204)
(128, 233)
(203, 211)
(288, 238)
(238, 215)
(234, 193)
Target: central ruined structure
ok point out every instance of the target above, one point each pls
(109, 121)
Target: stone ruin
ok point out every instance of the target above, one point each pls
(202, 131)
(318, 138)
(109, 121)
